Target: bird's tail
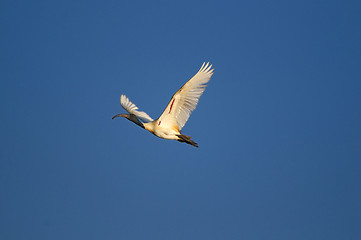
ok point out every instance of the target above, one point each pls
(186, 139)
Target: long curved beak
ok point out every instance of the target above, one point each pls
(118, 115)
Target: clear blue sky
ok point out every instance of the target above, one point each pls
(279, 126)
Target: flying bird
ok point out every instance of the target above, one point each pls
(177, 112)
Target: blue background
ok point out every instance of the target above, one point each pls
(279, 126)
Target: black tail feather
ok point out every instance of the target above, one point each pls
(187, 139)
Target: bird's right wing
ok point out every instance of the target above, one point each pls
(185, 100)
(132, 109)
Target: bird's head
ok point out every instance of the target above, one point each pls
(130, 117)
(122, 115)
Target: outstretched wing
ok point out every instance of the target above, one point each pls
(185, 100)
(132, 109)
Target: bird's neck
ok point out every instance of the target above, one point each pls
(149, 126)
(134, 119)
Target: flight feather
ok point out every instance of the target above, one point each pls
(185, 100)
(133, 109)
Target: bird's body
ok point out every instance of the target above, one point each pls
(162, 131)
(177, 112)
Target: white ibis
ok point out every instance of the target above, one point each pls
(177, 112)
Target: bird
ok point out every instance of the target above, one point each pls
(176, 114)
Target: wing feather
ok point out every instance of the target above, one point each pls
(132, 109)
(185, 100)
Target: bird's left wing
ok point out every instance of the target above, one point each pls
(185, 100)
(132, 109)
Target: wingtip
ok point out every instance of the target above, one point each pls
(122, 98)
(206, 67)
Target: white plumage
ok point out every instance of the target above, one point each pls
(132, 109)
(186, 98)
(178, 110)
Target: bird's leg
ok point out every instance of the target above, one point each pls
(187, 139)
